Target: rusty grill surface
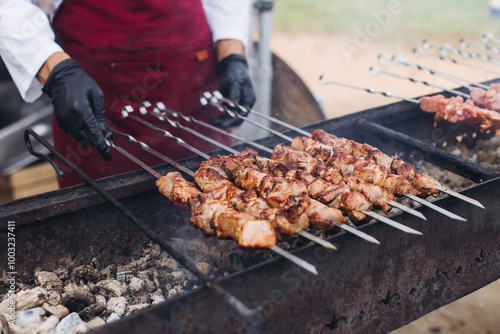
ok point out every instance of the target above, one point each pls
(360, 288)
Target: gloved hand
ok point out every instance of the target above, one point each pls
(78, 105)
(235, 84)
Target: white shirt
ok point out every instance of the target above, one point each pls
(27, 40)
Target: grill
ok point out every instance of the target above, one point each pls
(359, 287)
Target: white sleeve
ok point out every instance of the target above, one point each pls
(228, 19)
(26, 41)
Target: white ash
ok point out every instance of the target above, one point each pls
(58, 310)
(49, 325)
(112, 318)
(117, 305)
(71, 324)
(137, 307)
(96, 322)
(485, 152)
(28, 321)
(110, 288)
(79, 298)
(136, 284)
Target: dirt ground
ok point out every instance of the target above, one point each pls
(313, 55)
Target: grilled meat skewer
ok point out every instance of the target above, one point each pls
(350, 165)
(367, 172)
(339, 196)
(425, 184)
(455, 110)
(277, 191)
(215, 217)
(378, 196)
(287, 220)
(208, 213)
(488, 99)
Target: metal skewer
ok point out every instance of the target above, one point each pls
(490, 37)
(462, 197)
(128, 109)
(418, 50)
(374, 70)
(290, 257)
(167, 134)
(159, 110)
(406, 209)
(325, 79)
(444, 48)
(398, 59)
(304, 234)
(209, 98)
(465, 44)
(435, 207)
(178, 256)
(217, 95)
(298, 261)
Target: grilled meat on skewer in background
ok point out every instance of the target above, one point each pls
(378, 196)
(455, 110)
(488, 99)
(339, 196)
(350, 165)
(424, 183)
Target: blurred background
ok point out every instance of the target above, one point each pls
(342, 38)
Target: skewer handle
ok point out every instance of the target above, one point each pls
(234, 104)
(374, 70)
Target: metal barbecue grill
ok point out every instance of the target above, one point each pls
(360, 288)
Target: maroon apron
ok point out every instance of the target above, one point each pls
(147, 50)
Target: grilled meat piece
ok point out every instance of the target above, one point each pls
(488, 99)
(338, 196)
(179, 191)
(424, 183)
(215, 217)
(378, 196)
(350, 165)
(277, 191)
(455, 110)
(287, 220)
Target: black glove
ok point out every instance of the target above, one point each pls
(234, 84)
(78, 105)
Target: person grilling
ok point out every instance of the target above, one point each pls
(118, 53)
